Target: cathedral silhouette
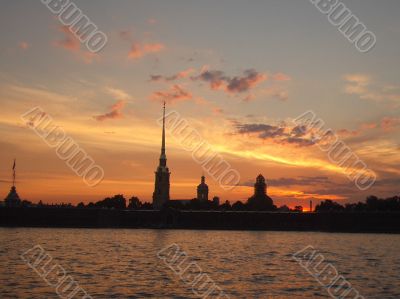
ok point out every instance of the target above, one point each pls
(161, 197)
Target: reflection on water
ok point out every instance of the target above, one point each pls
(123, 263)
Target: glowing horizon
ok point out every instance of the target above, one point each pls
(242, 98)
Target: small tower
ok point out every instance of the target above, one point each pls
(260, 187)
(12, 199)
(202, 190)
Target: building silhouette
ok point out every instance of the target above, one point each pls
(202, 190)
(215, 201)
(162, 175)
(260, 200)
(12, 199)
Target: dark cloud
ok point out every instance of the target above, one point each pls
(216, 79)
(299, 131)
(156, 78)
(388, 182)
(298, 181)
(281, 134)
(300, 141)
(180, 75)
(337, 190)
(250, 79)
(263, 131)
(238, 84)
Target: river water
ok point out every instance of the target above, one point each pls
(113, 263)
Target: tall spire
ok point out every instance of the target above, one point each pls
(163, 133)
(161, 184)
(14, 172)
(163, 156)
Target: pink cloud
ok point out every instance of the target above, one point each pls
(363, 86)
(385, 124)
(217, 111)
(276, 92)
(135, 52)
(348, 133)
(115, 112)
(367, 126)
(281, 77)
(126, 35)
(249, 98)
(153, 48)
(176, 93)
(357, 84)
(23, 45)
(72, 44)
(389, 123)
(139, 50)
(185, 73)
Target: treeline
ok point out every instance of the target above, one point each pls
(134, 203)
(372, 203)
(119, 202)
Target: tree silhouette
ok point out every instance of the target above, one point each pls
(134, 203)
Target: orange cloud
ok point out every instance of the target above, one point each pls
(139, 50)
(175, 94)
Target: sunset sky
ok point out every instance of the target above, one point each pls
(239, 72)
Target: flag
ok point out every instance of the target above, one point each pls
(14, 165)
